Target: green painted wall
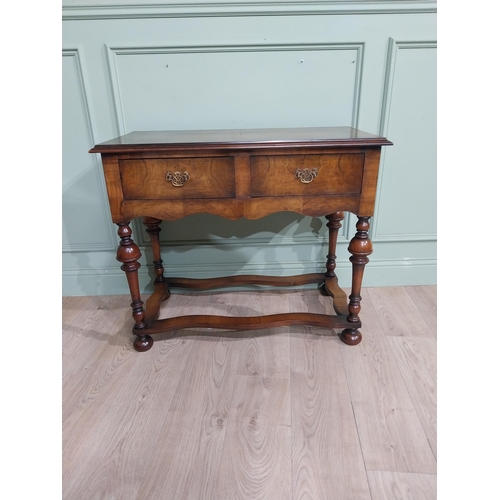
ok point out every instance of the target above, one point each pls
(370, 65)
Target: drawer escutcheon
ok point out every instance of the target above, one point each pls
(306, 175)
(177, 179)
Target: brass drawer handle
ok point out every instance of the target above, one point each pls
(306, 176)
(177, 179)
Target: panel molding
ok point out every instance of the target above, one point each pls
(393, 48)
(121, 9)
(114, 51)
(258, 242)
(283, 241)
(77, 53)
(383, 272)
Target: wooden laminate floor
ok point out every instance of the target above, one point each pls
(279, 414)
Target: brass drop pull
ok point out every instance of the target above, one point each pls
(177, 179)
(306, 175)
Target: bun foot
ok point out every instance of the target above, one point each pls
(143, 343)
(350, 336)
(322, 289)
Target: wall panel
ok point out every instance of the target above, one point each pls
(86, 227)
(408, 169)
(284, 85)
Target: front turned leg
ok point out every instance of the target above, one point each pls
(129, 254)
(360, 247)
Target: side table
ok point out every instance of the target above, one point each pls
(242, 173)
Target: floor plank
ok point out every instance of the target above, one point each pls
(93, 361)
(72, 308)
(187, 451)
(266, 353)
(327, 462)
(417, 362)
(402, 486)
(397, 312)
(256, 457)
(425, 299)
(391, 435)
(79, 317)
(326, 455)
(111, 446)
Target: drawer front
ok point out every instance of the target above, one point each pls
(177, 178)
(306, 175)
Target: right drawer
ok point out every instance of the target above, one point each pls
(306, 175)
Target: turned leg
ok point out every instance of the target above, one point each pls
(334, 224)
(153, 229)
(129, 254)
(360, 247)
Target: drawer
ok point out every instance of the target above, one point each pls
(306, 175)
(177, 178)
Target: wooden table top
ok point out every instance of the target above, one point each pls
(238, 138)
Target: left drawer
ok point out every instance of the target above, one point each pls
(177, 178)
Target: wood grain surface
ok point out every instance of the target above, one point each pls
(266, 353)
(417, 362)
(386, 485)
(256, 457)
(274, 175)
(208, 178)
(391, 434)
(288, 413)
(425, 299)
(397, 312)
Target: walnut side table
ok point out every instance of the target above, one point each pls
(242, 173)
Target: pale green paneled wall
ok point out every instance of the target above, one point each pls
(371, 65)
